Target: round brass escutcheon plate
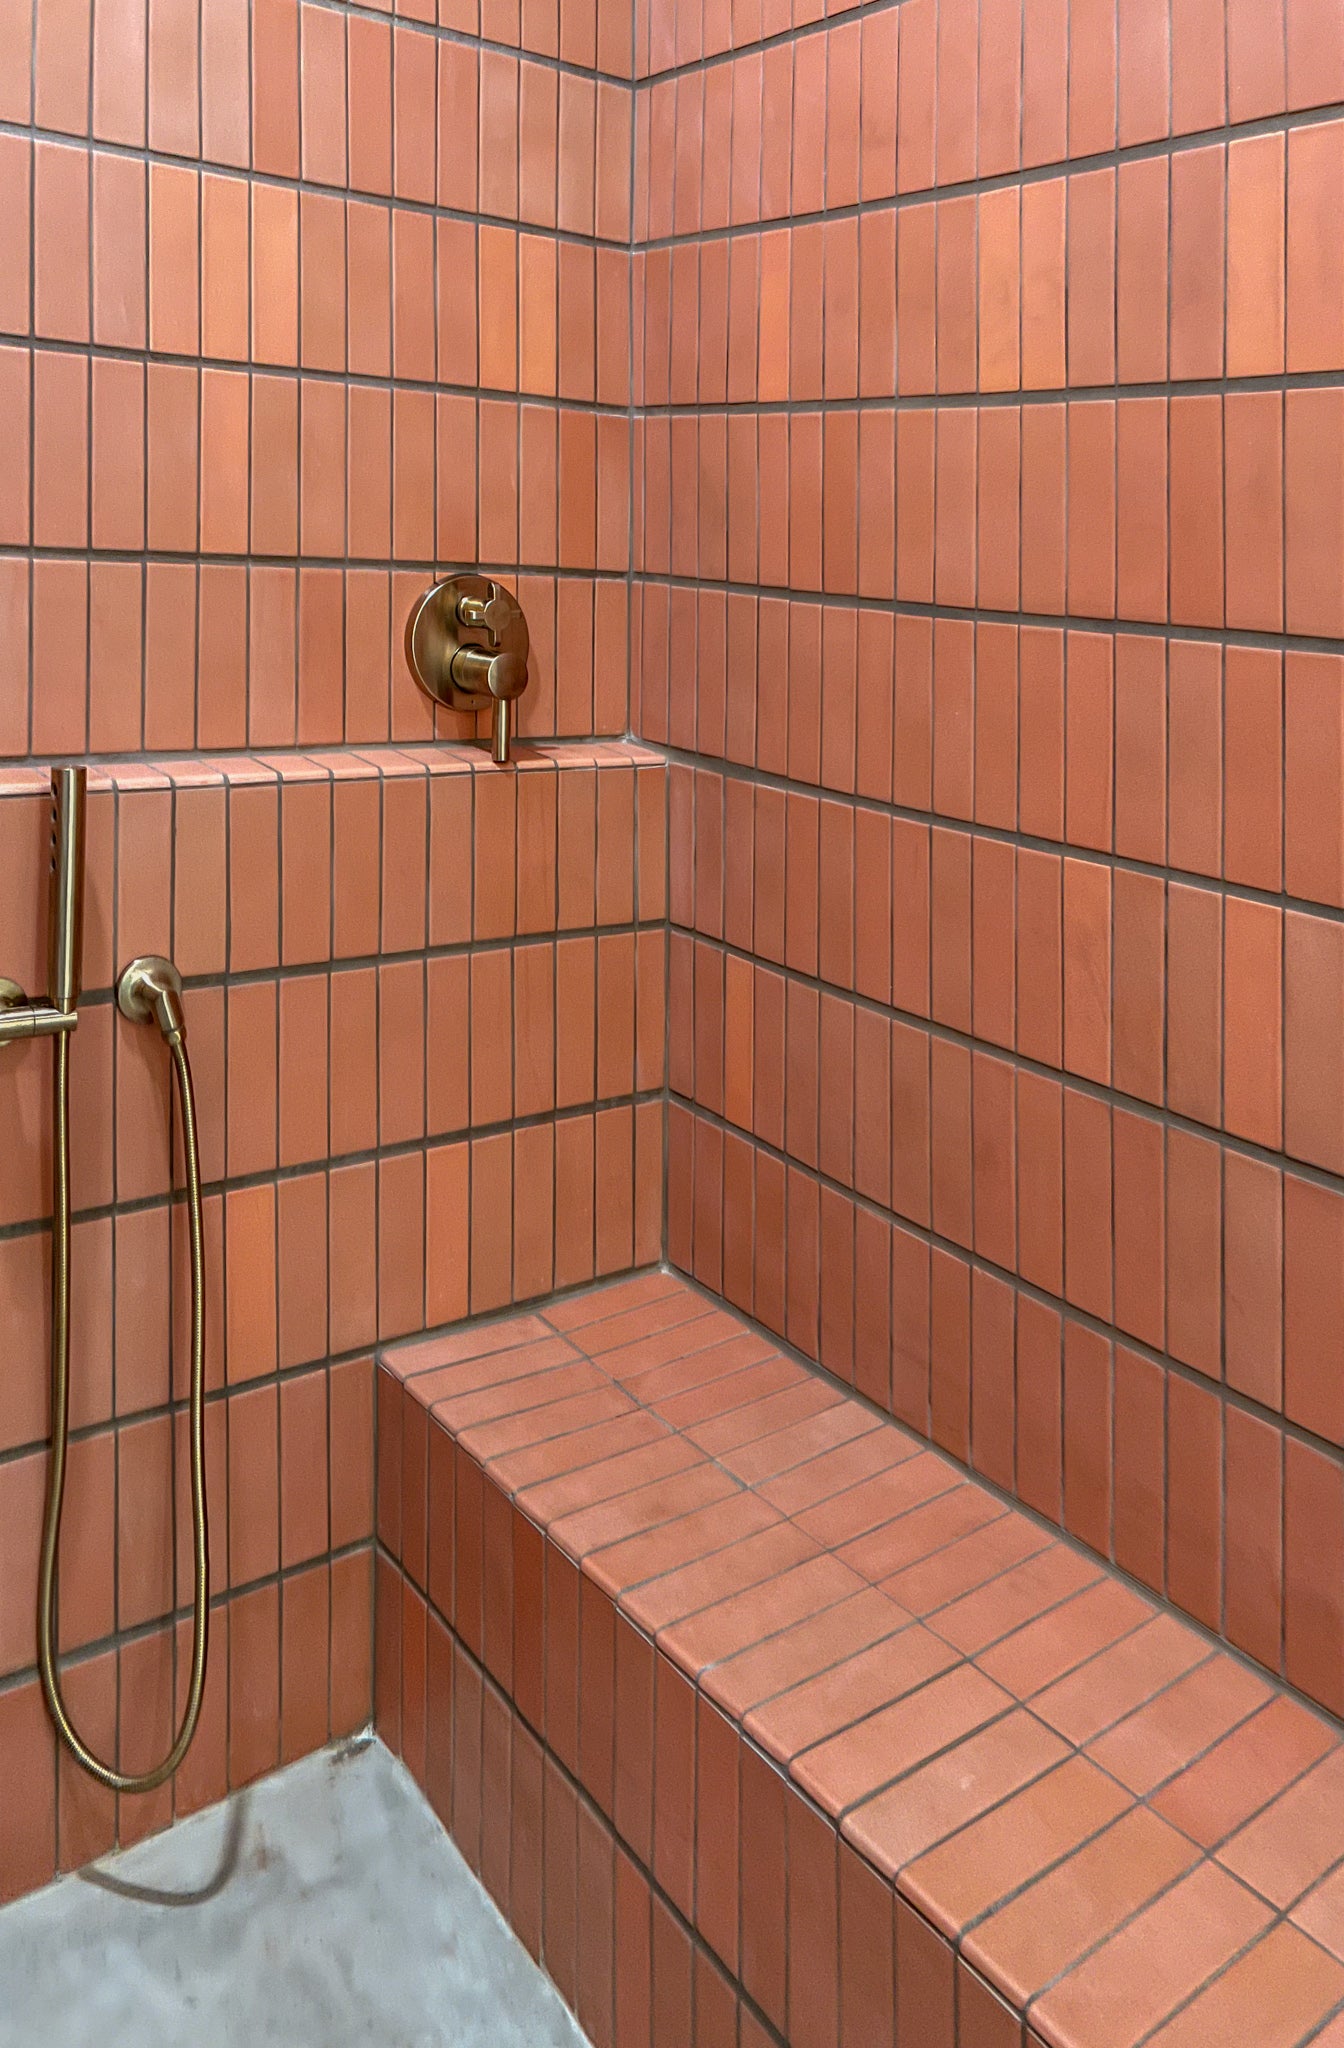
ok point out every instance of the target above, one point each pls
(462, 613)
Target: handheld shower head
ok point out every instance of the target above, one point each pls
(65, 940)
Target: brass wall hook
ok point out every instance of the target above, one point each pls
(467, 645)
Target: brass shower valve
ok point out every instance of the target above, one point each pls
(467, 645)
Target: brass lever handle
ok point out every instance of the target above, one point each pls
(503, 676)
(471, 675)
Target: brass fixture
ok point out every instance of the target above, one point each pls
(59, 1013)
(151, 990)
(467, 645)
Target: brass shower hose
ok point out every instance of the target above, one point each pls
(120, 1781)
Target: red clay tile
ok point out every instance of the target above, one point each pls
(1019, 1596)
(924, 1530)
(1274, 1995)
(618, 1472)
(1172, 1730)
(807, 1485)
(645, 1556)
(801, 1650)
(954, 1789)
(743, 1619)
(972, 1561)
(685, 1589)
(835, 1699)
(1294, 1841)
(1256, 1763)
(1121, 1679)
(1009, 1847)
(1137, 1977)
(1321, 1913)
(1045, 1650)
(1032, 1940)
(895, 1740)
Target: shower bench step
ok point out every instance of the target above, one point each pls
(764, 1722)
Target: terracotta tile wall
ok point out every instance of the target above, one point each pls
(425, 1004)
(297, 301)
(298, 304)
(988, 594)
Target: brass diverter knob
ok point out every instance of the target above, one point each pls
(467, 645)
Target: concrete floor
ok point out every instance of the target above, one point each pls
(323, 1908)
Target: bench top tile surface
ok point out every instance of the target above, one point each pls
(1131, 1834)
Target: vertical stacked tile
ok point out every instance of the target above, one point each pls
(425, 1003)
(300, 304)
(293, 310)
(988, 592)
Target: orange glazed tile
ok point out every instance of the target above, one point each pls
(1321, 1913)
(1044, 1650)
(897, 1739)
(1274, 1994)
(875, 1677)
(1294, 1841)
(1251, 1767)
(945, 1794)
(730, 1626)
(1009, 1847)
(1114, 1684)
(1032, 1940)
(1172, 1730)
(1137, 1977)
(808, 1646)
(1017, 1597)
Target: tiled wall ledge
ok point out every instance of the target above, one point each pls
(425, 1003)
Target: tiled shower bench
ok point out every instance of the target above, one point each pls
(762, 1722)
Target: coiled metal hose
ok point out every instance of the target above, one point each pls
(106, 1774)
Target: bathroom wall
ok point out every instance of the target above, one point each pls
(989, 596)
(296, 304)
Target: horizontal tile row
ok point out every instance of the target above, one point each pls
(337, 96)
(1204, 266)
(979, 87)
(246, 864)
(290, 1669)
(188, 264)
(1206, 1500)
(1148, 509)
(1182, 754)
(105, 656)
(311, 1069)
(1219, 1258)
(745, 1704)
(324, 1262)
(219, 462)
(1217, 1007)
(289, 1470)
